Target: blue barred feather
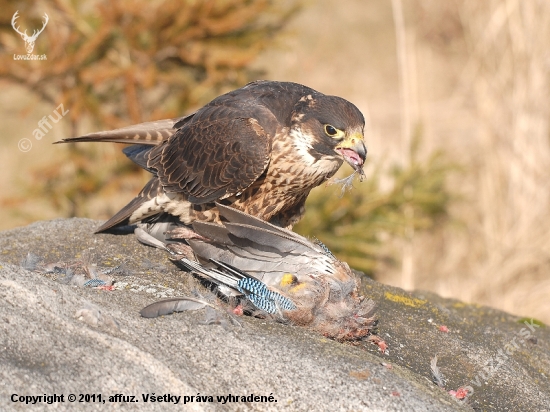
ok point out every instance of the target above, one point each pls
(94, 283)
(262, 297)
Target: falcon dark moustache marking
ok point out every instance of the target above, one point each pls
(260, 149)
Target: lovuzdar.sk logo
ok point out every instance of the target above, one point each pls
(29, 40)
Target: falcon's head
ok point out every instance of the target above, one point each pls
(331, 127)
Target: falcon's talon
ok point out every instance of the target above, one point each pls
(183, 232)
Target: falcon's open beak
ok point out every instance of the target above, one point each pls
(353, 150)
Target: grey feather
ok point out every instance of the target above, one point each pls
(265, 237)
(437, 376)
(30, 262)
(147, 239)
(169, 306)
(236, 217)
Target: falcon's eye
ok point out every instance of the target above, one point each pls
(333, 131)
(330, 130)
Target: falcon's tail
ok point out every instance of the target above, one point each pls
(148, 133)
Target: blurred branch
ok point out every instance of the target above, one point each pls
(408, 263)
(128, 61)
(112, 60)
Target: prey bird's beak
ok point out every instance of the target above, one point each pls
(353, 150)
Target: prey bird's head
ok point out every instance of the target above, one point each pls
(332, 127)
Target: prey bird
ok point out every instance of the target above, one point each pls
(274, 271)
(260, 149)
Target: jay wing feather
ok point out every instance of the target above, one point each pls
(245, 247)
(269, 269)
(213, 231)
(323, 291)
(235, 217)
(266, 237)
(264, 298)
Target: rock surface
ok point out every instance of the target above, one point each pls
(59, 338)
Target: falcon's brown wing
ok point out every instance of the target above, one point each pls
(216, 155)
(122, 217)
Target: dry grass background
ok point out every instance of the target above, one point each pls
(471, 78)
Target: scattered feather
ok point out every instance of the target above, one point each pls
(30, 262)
(437, 376)
(214, 317)
(346, 183)
(93, 316)
(171, 305)
(121, 270)
(57, 268)
(94, 283)
(90, 316)
(77, 280)
(69, 274)
(83, 272)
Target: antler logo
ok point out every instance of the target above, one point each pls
(29, 40)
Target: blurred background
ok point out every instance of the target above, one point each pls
(455, 93)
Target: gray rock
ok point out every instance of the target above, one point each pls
(61, 338)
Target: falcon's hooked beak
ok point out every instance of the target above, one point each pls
(353, 150)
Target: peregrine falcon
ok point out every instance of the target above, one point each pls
(260, 149)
